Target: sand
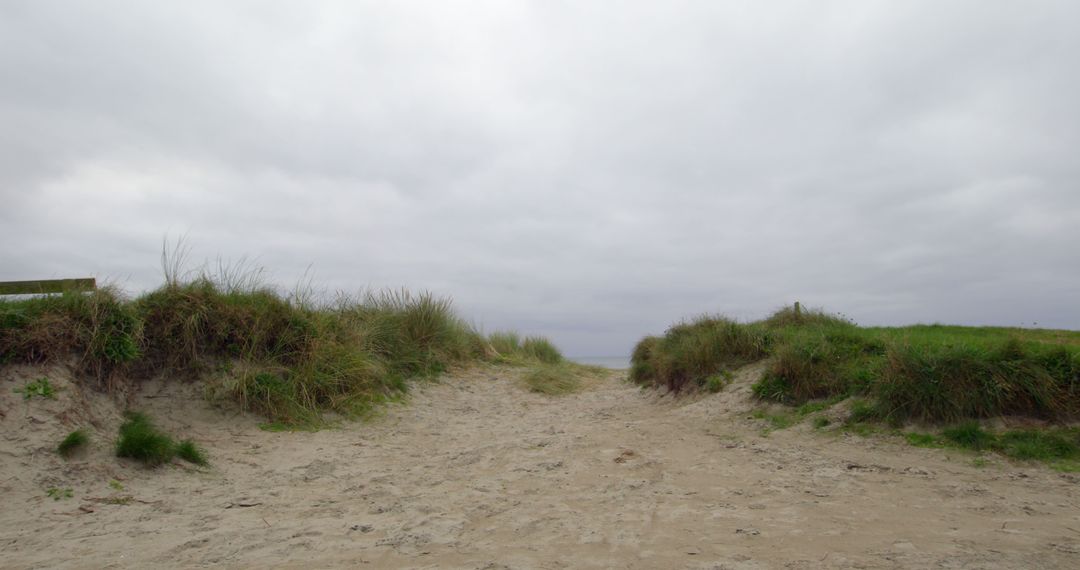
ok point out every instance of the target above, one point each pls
(475, 472)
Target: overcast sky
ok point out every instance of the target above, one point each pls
(587, 170)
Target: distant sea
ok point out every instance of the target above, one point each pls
(616, 362)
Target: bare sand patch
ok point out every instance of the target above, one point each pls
(476, 472)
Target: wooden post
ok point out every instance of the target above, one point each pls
(798, 310)
(47, 286)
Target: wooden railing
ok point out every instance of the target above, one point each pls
(47, 286)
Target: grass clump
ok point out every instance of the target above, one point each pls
(542, 350)
(58, 493)
(690, 353)
(554, 379)
(141, 440)
(969, 435)
(191, 452)
(74, 441)
(509, 348)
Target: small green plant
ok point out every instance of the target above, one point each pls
(861, 411)
(921, 439)
(716, 382)
(190, 452)
(57, 493)
(970, 435)
(777, 421)
(139, 439)
(821, 422)
(40, 388)
(116, 485)
(771, 388)
(73, 442)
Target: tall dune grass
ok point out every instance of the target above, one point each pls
(280, 355)
(930, 373)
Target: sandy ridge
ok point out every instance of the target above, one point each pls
(475, 472)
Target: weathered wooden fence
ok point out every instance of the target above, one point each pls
(47, 286)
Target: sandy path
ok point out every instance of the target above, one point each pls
(477, 473)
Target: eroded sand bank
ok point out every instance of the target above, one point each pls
(475, 472)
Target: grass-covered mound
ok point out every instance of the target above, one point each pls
(279, 355)
(931, 373)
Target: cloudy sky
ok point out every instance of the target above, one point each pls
(588, 170)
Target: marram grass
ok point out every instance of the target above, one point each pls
(929, 373)
(280, 355)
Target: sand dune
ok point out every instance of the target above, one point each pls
(475, 472)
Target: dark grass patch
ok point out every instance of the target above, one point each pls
(969, 435)
(191, 452)
(139, 439)
(73, 442)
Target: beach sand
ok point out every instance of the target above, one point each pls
(476, 472)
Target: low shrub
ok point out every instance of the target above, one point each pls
(140, 440)
(74, 441)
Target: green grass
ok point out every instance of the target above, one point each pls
(930, 373)
(74, 441)
(1058, 447)
(776, 420)
(189, 451)
(58, 493)
(558, 379)
(141, 440)
(691, 353)
(40, 388)
(283, 356)
(507, 347)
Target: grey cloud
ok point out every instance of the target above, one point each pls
(588, 170)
